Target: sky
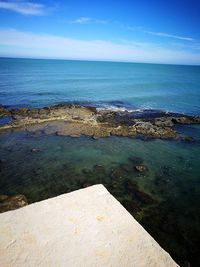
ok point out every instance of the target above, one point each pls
(162, 31)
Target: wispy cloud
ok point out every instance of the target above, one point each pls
(88, 20)
(28, 44)
(163, 34)
(23, 7)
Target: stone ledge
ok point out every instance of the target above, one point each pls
(85, 228)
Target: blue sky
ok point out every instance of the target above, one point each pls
(119, 30)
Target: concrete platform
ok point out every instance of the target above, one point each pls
(85, 228)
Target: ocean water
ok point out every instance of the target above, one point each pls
(165, 199)
(36, 83)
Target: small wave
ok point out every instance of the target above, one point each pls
(115, 105)
(117, 109)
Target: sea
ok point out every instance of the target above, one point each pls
(165, 199)
(37, 83)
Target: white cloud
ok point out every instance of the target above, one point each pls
(28, 44)
(87, 20)
(23, 7)
(162, 34)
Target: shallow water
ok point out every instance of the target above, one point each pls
(164, 199)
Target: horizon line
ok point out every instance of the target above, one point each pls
(95, 60)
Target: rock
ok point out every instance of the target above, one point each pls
(188, 139)
(161, 182)
(99, 168)
(23, 112)
(144, 198)
(116, 173)
(11, 203)
(76, 120)
(4, 111)
(86, 171)
(35, 150)
(186, 119)
(74, 135)
(140, 168)
(127, 167)
(86, 185)
(101, 132)
(122, 130)
(131, 186)
(164, 122)
(95, 137)
(145, 128)
(3, 198)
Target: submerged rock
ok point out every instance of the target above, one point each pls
(117, 173)
(188, 139)
(35, 150)
(186, 119)
(86, 185)
(144, 198)
(86, 171)
(99, 169)
(11, 203)
(140, 168)
(131, 185)
(127, 167)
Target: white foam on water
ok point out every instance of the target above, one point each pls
(119, 109)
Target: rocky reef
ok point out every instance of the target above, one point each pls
(76, 120)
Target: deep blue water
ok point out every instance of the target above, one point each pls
(36, 82)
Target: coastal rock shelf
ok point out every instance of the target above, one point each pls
(88, 227)
(76, 120)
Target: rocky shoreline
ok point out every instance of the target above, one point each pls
(77, 120)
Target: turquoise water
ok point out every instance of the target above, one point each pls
(165, 198)
(33, 82)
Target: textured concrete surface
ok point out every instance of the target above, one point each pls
(85, 228)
